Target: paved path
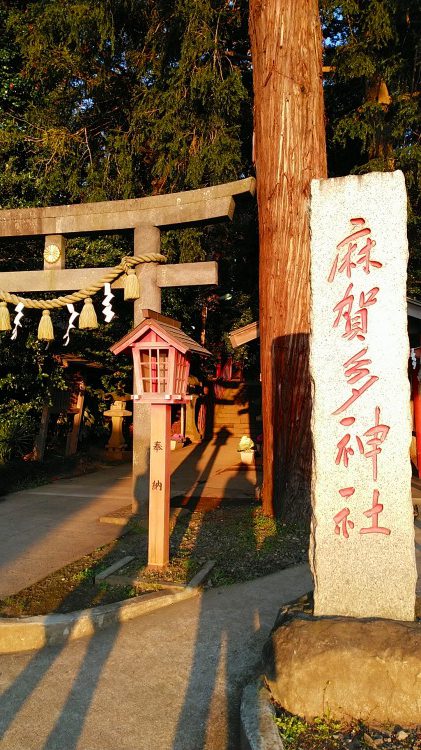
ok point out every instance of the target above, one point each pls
(45, 528)
(170, 680)
(213, 469)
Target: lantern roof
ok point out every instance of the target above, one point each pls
(166, 328)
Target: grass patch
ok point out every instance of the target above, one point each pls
(326, 733)
(243, 542)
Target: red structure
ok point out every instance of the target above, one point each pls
(161, 358)
(416, 401)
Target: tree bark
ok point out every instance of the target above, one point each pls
(290, 150)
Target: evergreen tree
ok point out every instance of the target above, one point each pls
(132, 97)
(120, 99)
(372, 97)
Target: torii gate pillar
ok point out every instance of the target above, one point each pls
(147, 239)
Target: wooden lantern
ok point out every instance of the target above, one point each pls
(161, 359)
(160, 370)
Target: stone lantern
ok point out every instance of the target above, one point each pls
(116, 446)
(161, 359)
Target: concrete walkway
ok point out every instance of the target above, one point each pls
(47, 527)
(50, 526)
(170, 680)
(213, 469)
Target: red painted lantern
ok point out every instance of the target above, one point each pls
(161, 358)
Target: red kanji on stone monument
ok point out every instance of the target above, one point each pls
(344, 451)
(356, 323)
(377, 434)
(374, 513)
(344, 448)
(349, 255)
(356, 369)
(341, 519)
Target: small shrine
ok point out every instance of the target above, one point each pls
(161, 358)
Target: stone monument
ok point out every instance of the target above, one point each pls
(355, 653)
(363, 557)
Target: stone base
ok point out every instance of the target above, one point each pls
(349, 668)
(153, 568)
(117, 454)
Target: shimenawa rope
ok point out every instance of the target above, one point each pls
(124, 266)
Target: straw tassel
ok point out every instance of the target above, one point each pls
(45, 328)
(131, 285)
(87, 318)
(5, 324)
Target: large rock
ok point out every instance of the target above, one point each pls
(349, 668)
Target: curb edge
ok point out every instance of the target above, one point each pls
(33, 633)
(258, 730)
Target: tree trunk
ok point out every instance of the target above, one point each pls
(290, 150)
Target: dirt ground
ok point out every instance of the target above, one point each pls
(244, 543)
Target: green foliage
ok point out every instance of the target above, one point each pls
(325, 726)
(290, 728)
(29, 376)
(103, 586)
(17, 432)
(296, 732)
(123, 98)
(87, 574)
(114, 100)
(372, 44)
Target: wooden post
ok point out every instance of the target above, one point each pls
(417, 415)
(183, 420)
(41, 439)
(73, 436)
(147, 239)
(159, 487)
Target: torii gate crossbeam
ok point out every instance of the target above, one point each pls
(146, 216)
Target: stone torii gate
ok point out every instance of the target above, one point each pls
(146, 216)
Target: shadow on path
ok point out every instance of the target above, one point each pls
(37, 528)
(209, 719)
(69, 724)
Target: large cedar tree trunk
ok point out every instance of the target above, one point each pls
(290, 150)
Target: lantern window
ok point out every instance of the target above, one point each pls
(154, 369)
(182, 367)
(161, 358)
